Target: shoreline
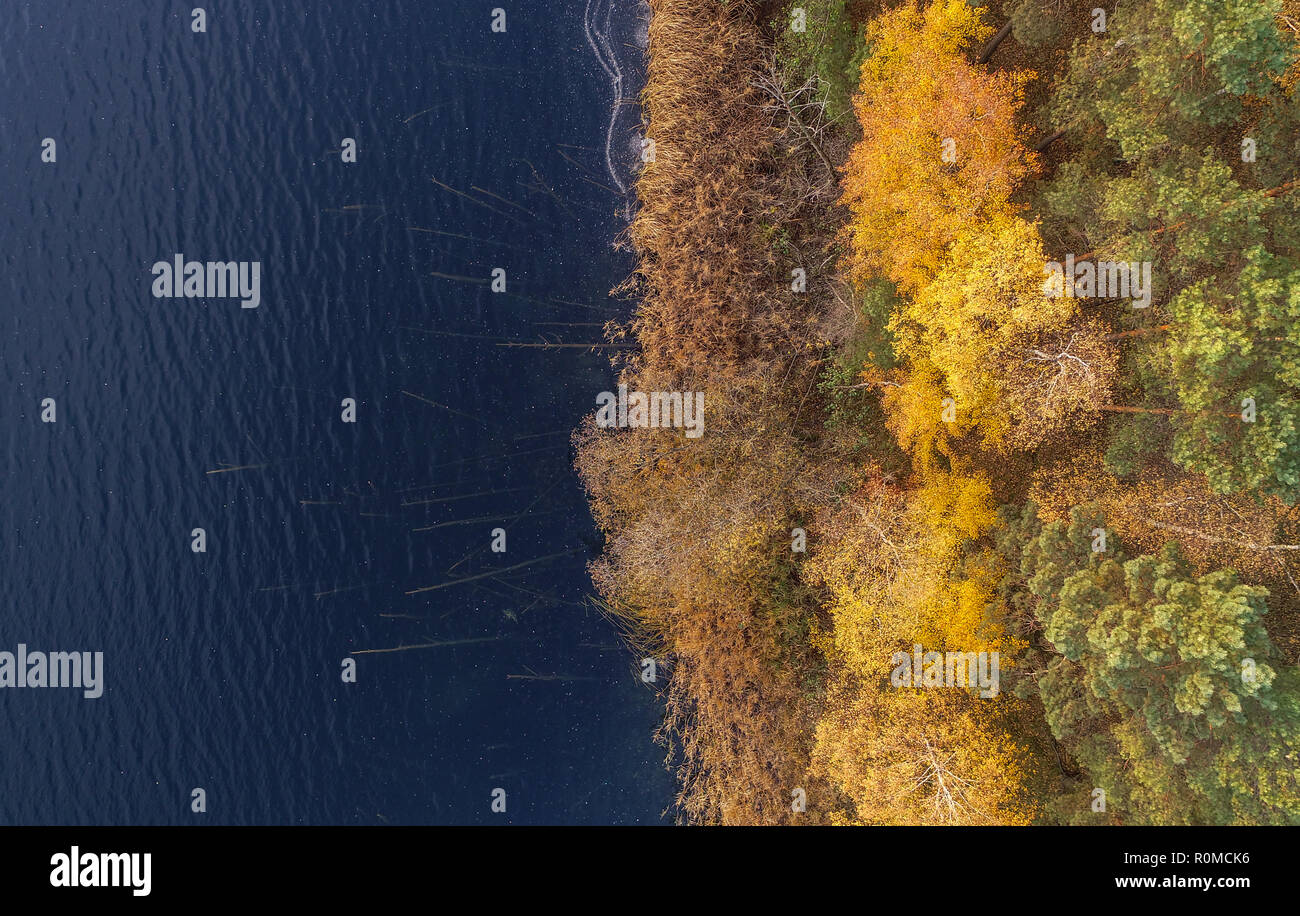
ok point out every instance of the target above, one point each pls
(911, 444)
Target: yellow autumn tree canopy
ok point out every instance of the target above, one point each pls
(940, 149)
(921, 757)
(979, 314)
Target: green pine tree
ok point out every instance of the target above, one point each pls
(1160, 682)
(1159, 111)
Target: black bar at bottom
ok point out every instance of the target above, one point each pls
(334, 865)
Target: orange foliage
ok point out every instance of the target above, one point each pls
(920, 96)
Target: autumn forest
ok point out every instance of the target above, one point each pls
(996, 311)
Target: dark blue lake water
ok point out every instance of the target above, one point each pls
(222, 669)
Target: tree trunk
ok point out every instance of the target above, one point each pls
(1275, 192)
(993, 43)
(1163, 411)
(1192, 532)
(1048, 141)
(1138, 332)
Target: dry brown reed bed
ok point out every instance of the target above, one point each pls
(696, 530)
(710, 293)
